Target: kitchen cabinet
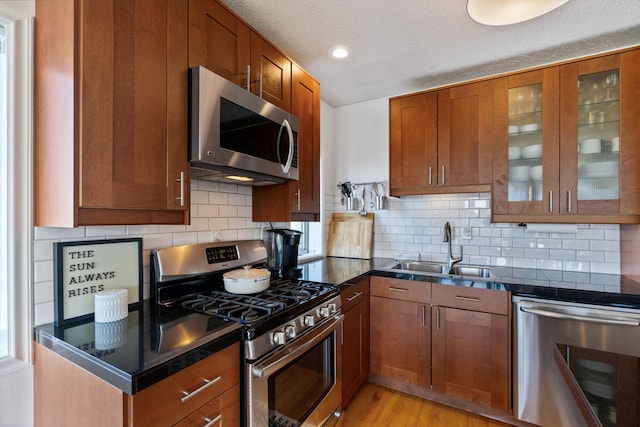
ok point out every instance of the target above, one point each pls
(297, 200)
(564, 142)
(222, 42)
(471, 344)
(401, 330)
(355, 337)
(200, 393)
(111, 90)
(219, 40)
(441, 141)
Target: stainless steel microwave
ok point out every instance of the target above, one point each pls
(236, 136)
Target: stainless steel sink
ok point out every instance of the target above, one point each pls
(470, 271)
(421, 266)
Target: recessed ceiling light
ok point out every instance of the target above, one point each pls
(507, 12)
(339, 52)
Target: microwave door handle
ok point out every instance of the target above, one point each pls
(287, 166)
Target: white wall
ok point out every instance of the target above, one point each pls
(412, 226)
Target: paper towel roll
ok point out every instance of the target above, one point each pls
(110, 335)
(552, 228)
(111, 305)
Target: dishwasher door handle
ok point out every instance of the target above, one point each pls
(584, 315)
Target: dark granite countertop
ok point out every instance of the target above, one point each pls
(139, 351)
(152, 344)
(591, 288)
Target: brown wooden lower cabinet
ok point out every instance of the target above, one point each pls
(471, 344)
(67, 395)
(355, 338)
(400, 330)
(453, 340)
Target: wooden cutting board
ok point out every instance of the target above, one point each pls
(350, 235)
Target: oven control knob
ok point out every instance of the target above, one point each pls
(279, 337)
(290, 331)
(328, 310)
(309, 320)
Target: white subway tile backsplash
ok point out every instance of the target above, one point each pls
(218, 211)
(416, 222)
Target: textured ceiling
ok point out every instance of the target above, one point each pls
(402, 46)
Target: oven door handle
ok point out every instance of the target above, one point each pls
(580, 314)
(277, 361)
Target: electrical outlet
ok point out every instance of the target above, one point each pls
(466, 233)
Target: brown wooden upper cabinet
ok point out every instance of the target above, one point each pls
(297, 200)
(222, 42)
(441, 141)
(111, 94)
(566, 143)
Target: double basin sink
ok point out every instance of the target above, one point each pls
(434, 268)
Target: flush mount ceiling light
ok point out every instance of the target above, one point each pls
(339, 52)
(507, 12)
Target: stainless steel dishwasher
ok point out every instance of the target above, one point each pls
(576, 364)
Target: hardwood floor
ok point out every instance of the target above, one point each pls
(374, 405)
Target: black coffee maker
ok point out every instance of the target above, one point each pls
(282, 252)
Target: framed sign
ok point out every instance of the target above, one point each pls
(83, 268)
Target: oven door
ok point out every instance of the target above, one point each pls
(577, 364)
(300, 383)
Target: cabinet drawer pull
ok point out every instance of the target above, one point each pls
(443, 175)
(211, 422)
(569, 196)
(424, 315)
(438, 319)
(356, 295)
(391, 288)
(467, 298)
(207, 384)
(551, 201)
(430, 180)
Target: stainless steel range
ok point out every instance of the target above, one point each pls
(292, 330)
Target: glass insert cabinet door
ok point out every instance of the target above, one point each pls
(598, 143)
(525, 131)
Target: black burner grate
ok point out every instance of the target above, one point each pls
(247, 309)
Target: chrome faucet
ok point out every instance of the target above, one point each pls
(446, 237)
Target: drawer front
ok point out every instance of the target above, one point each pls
(221, 411)
(179, 395)
(485, 300)
(353, 294)
(406, 290)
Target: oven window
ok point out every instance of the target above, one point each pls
(296, 389)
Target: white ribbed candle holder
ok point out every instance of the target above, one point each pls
(111, 305)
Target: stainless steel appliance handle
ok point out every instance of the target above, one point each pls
(295, 349)
(286, 166)
(581, 314)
